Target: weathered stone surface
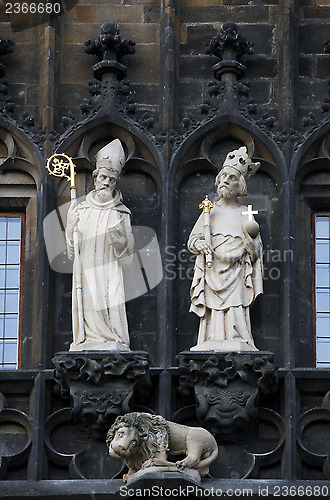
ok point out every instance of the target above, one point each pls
(82, 13)
(240, 14)
(312, 38)
(227, 388)
(320, 12)
(120, 13)
(306, 66)
(101, 385)
(283, 113)
(322, 62)
(145, 441)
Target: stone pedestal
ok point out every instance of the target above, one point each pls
(99, 346)
(165, 473)
(226, 387)
(235, 345)
(101, 384)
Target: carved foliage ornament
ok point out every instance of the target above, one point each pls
(100, 388)
(226, 388)
(110, 49)
(228, 38)
(110, 90)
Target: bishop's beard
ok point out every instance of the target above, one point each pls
(104, 194)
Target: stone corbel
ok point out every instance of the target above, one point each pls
(101, 385)
(226, 388)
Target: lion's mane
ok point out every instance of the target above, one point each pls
(152, 432)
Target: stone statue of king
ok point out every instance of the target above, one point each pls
(228, 268)
(105, 241)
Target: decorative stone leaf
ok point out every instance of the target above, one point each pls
(228, 38)
(6, 47)
(101, 387)
(226, 387)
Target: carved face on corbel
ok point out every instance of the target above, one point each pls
(226, 408)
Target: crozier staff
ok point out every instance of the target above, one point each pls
(60, 165)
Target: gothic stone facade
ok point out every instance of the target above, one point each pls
(202, 77)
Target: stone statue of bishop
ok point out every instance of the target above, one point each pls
(105, 242)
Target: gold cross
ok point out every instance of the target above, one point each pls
(206, 205)
(250, 212)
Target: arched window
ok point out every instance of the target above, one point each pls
(313, 263)
(20, 179)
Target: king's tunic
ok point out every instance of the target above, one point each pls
(221, 294)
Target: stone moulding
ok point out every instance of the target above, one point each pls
(100, 385)
(13, 450)
(226, 387)
(314, 450)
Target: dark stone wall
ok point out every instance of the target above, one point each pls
(177, 122)
(139, 21)
(199, 22)
(313, 56)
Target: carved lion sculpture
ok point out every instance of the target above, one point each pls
(143, 440)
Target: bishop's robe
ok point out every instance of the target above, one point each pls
(103, 296)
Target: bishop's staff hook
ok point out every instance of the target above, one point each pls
(61, 165)
(206, 206)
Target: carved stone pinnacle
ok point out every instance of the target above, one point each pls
(110, 49)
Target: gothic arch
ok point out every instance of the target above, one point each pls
(142, 184)
(313, 154)
(191, 176)
(137, 145)
(196, 144)
(21, 175)
(310, 176)
(18, 153)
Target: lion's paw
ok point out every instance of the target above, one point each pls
(148, 463)
(181, 465)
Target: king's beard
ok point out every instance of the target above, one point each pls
(225, 192)
(103, 194)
